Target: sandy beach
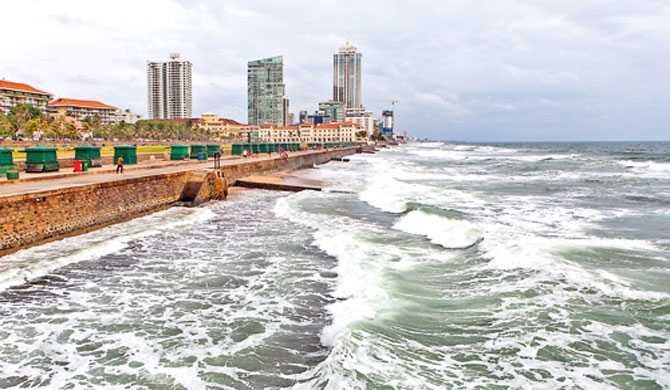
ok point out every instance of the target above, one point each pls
(285, 177)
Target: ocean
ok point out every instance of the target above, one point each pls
(422, 266)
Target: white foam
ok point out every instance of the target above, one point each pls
(31, 263)
(361, 267)
(650, 169)
(359, 284)
(448, 233)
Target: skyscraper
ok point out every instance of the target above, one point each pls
(265, 91)
(170, 89)
(347, 77)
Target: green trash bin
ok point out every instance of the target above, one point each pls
(84, 165)
(236, 149)
(12, 174)
(128, 152)
(178, 152)
(213, 148)
(40, 158)
(6, 160)
(89, 153)
(199, 149)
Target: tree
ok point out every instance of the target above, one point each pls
(5, 126)
(70, 131)
(18, 117)
(362, 134)
(189, 127)
(93, 125)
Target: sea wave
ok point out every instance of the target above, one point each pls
(450, 233)
(31, 263)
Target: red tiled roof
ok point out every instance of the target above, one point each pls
(267, 124)
(328, 126)
(286, 128)
(65, 102)
(227, 121)
(20, 87)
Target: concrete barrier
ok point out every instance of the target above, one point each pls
(39, 217)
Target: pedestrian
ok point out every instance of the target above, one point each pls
(119, 164)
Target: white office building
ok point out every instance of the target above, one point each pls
(170, 89)
(347, 77)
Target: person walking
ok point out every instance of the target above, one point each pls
(119, 164)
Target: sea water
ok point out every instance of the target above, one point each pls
(426, 265)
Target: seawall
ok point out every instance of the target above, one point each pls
(40, 217)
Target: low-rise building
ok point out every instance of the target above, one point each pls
(366, 123)
(224, 127)
(127, 116)
(307, 132)
(12, 94)
(80, 109)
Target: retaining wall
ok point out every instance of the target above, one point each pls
(26, 220)
(36, 218)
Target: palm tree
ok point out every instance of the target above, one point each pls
(19, 115)
(70, 131)
(5, 126)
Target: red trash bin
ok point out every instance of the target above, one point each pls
(77, 165)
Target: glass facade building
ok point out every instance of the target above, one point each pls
(347, 77)
(335, 110)
(265, 91)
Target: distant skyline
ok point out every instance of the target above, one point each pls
(471, 71)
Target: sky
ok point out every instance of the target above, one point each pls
(478, 71)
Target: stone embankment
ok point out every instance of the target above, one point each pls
(37, 217)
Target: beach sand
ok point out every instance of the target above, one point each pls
(294, 178)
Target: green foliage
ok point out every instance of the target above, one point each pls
(27, 121)
(14, 123)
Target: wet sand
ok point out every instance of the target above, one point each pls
(285, 177)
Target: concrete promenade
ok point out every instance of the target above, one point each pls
(39, 207)
(43, 181)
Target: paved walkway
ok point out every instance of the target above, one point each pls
(66, 177)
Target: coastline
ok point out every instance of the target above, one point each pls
(59, 205)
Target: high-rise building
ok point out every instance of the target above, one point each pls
(335, 110)
(170, 89)
(265, 91)
(285, 111)
(387, 122)
(302, 116)
(347, 77)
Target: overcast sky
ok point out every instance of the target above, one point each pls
(496, 70)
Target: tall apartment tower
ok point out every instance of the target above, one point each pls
(347, 77)
(170, 89)
(265, 91)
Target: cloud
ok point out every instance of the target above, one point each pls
(504, 106)
(447, 104)
(476, 66)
